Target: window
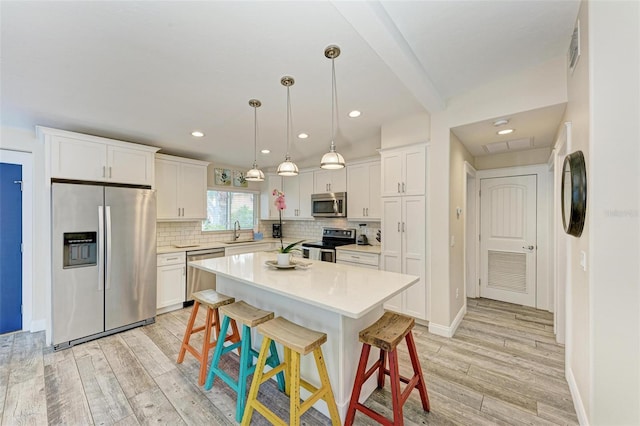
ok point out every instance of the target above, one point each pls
(225, 207)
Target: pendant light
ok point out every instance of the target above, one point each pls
(332, 159)
(255, 174)
(288, 167)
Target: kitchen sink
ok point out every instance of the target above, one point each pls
(238, 241)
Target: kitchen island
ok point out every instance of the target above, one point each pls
(339, 300)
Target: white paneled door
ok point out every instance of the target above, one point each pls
(508, 239)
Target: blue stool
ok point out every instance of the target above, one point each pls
(249, 316)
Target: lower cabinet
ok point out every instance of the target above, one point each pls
(358, 258)
(172, 281)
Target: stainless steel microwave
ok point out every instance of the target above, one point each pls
(331, 204)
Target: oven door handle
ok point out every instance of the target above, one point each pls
(327, 250)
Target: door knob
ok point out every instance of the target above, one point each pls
(528, 247)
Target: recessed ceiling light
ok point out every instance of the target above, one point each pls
(505, 131)
(354, 114)
(197, 134)
(303, 136)
(265, 151)
(500, 122)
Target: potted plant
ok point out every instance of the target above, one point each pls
(284, 253)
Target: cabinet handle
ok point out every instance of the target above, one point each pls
(398, 226)
(104, 171)
(172, 258)
(178, 211)
(398, 187)
(402, 226)
(403, 187)
(367, 211)
(109, 171)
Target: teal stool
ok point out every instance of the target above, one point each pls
(249, 316)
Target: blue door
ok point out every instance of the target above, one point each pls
(10, 247)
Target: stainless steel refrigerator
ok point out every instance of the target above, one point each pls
(104, 260)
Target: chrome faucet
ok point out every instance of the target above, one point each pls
(236, 230)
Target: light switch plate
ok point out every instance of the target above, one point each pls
(583, 260)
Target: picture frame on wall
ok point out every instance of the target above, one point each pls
(222, 177)
(239, 179)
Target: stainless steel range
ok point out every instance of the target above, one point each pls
(325, 250)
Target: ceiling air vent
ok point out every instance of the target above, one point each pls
(512, 145)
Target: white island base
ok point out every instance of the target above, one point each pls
(338, 300)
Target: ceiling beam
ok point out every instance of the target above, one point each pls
(375, 26)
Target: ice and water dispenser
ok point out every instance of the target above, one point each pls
(80, 249)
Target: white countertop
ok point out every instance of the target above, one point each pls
(219, 244)
(343, 289)
(360, 248)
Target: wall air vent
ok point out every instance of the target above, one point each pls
(574, 48)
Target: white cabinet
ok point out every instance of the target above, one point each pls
(181, 185)
(268, 210)
(297, 190)
(363, 191)
(358, 258)
(404, 171)
(330, 181)
(403, 250)
(171, 281)
(92, 158)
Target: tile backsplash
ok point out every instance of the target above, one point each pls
(169, 233)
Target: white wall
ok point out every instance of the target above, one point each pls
(458, 181)
(26, 141)
(614, 212)
(409, 130)
(511, 159)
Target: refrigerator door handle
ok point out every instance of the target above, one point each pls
(108, 254)
(100, 248)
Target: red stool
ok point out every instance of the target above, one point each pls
(212, 300)
(386, 334)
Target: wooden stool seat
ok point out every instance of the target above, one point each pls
(297, 340)
(212, 300)
(246, 314)
(249, 316)
(388, 331)
(292, 336)
(386, 334)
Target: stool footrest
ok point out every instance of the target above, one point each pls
(373, 414)
(268, 414)
(272, 372)
(316, 395)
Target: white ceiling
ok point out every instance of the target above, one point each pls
(151, 72)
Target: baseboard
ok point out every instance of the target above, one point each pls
(448, 331)
(577, 399)
(38, 325)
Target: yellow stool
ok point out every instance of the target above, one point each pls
(297, 340)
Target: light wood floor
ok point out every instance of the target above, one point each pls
(502, 367)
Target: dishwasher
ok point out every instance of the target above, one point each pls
(197, 279)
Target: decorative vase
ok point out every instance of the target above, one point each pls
(284, 259)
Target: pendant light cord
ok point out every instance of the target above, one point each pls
(255, 135)
(288, 120)
(333, 101)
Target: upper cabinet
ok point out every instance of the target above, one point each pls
(84, 157)
(330, 181)
(363, 191)
(268, 210)
(181, 185)
(297, 190)
(403, 171)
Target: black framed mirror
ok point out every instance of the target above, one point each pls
(574, 193)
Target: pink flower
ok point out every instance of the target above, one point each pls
(279, 201)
